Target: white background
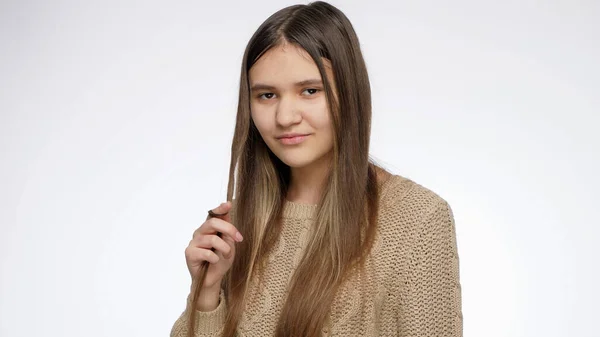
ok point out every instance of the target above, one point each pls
(116, 124)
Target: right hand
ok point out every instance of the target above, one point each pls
(205, 238)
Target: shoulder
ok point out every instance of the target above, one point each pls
(408, 206)
(397, 190)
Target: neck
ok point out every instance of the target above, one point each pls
(306, 184)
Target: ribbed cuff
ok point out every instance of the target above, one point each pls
(210, 322)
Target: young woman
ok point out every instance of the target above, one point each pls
(315, 239)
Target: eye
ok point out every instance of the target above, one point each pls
(266, 95)
(311, 91)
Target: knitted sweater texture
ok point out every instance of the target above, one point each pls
(410, 285)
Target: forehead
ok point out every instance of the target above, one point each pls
(284, 64)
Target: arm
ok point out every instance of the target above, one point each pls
(208, 323)
(211, 310)
(431, 298)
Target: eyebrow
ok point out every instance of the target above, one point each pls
(262, 86)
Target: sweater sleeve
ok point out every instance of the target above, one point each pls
(431, 300)
(208, 323)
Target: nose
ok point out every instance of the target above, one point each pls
(288, 112)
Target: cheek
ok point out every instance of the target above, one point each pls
(261, 120)
(319, 117)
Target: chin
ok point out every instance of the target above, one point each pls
(296, 162)
(299, 157)
(299, 160)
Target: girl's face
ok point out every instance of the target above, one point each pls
(287, 97)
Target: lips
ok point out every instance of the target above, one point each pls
(293, 140)
(292, 135)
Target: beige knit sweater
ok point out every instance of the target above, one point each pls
(410, 288)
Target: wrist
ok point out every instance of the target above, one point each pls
(209, 299)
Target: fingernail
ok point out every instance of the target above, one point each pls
(238, 237)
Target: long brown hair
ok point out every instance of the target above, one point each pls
(346, 216)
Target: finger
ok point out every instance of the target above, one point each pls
(197, 255)
(221, 211)
(231, 244)
(213, 225)
(212, 241)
